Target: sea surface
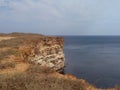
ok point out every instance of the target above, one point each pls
(94, 58)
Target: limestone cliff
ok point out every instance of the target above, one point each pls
(43, 50)
(35, 48)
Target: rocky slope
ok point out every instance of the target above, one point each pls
(46, 51)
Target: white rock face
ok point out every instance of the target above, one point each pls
(51, 55)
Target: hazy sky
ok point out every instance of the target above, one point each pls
(68, 17)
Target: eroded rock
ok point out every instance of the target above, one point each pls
(47, 51)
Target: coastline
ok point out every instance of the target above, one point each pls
(17, 62)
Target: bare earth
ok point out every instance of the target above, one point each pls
(5, 38)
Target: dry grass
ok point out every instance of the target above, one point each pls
(19, 67)
(17, 39)
(40, 80)
(7, 65)
(39, 69)
(7, 53)
(14, 42)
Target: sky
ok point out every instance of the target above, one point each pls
(60, 17)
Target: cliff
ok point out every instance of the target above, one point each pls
(46, 51)
(30, 61)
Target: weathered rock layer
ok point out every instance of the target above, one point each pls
(47, 51)
(50, 54)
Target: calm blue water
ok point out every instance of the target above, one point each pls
(94, 58)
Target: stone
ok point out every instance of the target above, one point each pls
(50, 53)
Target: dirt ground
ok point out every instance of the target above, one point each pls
(5, 38)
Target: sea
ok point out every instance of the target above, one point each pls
(94, 58)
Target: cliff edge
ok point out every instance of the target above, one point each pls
(46, 51)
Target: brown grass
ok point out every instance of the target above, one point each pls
(13, 43)
(19, 67)
(43, 80)
(7, 65)
(7, 53)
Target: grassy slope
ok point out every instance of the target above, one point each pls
(37, 78)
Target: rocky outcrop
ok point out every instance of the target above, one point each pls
(34, 48)
(46, 51)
